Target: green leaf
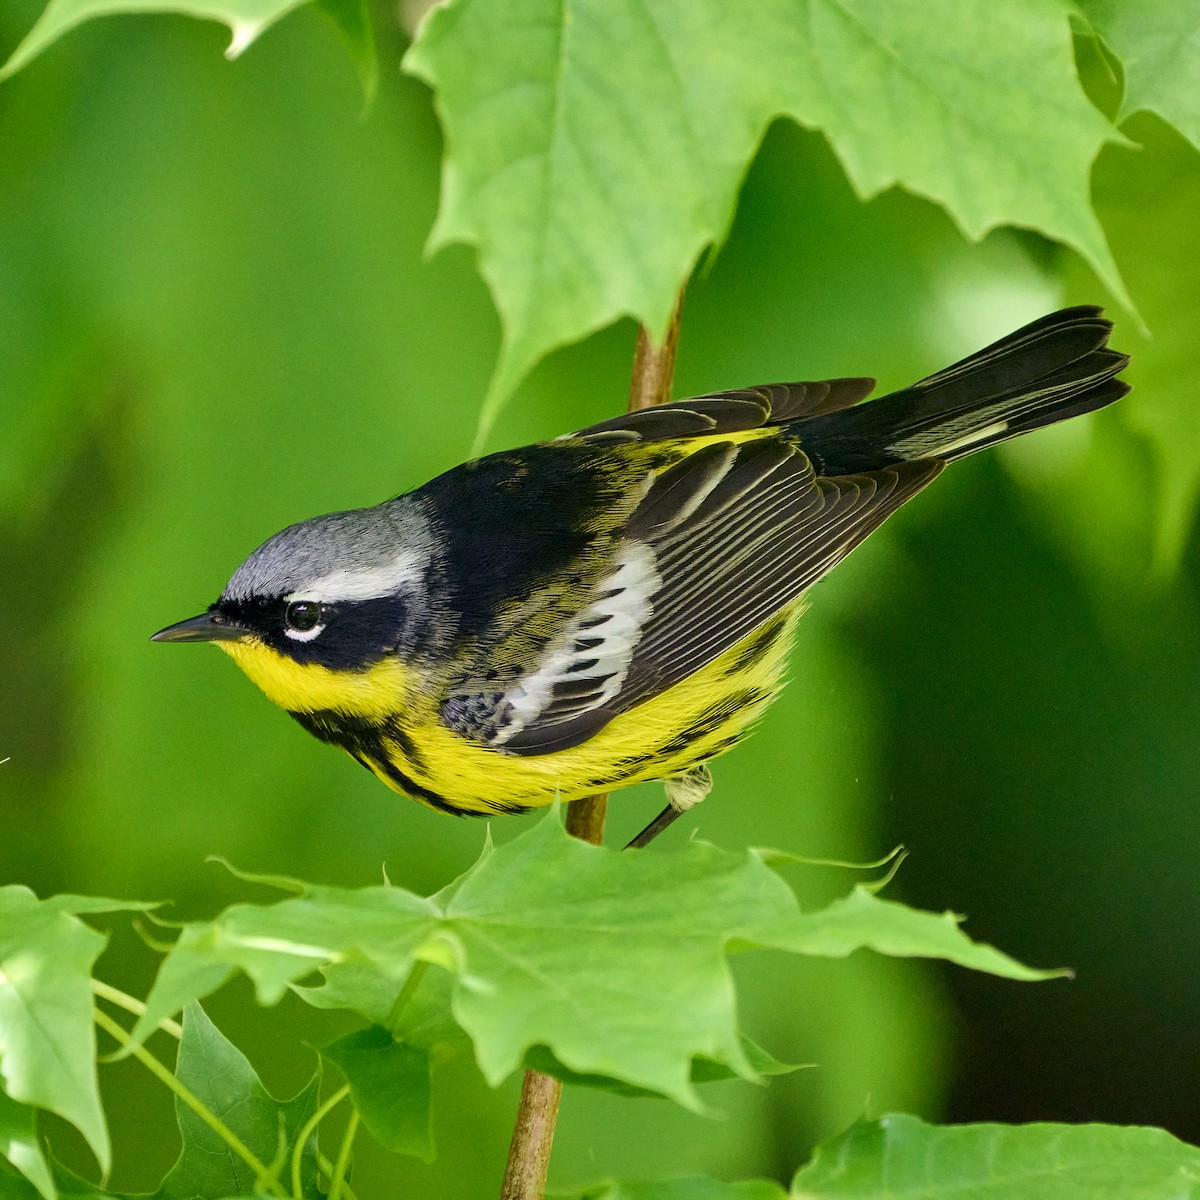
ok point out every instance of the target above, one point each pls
(692, 1188)
(703, 1070)
(380, 928)
(352, 20)
(425, 1019)
(220, 1076)
(596, 147)
(14, 1186)
(862, 919)
(614, 964)
(364, 989)
(389, 1084)
(19, 1145)
(1149, 201)
(1158, 43)
(900, 1157)
(247, 19)
(47, 1042)
(75, 1187)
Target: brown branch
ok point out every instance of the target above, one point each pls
(654, 366)
(533, 1135)
(537, 1111)
(650, 384)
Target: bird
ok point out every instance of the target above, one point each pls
(615, 605)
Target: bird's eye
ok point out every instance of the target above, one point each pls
(303, 616)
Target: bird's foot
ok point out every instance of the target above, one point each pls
(684, 791)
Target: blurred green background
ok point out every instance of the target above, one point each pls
(216, 318)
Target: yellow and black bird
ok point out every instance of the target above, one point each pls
(615, 605)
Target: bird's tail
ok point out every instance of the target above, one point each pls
(1057, 367)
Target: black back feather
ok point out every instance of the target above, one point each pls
(740, 529)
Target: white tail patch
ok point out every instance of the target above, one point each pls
(929, 445)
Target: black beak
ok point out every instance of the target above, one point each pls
(207, 627)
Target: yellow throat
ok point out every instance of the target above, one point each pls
(378, 691)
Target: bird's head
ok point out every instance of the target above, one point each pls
(323, 611)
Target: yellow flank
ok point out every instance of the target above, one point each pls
(722, 701)
(696, 719)
(376, 693)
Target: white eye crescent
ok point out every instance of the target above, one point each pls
(303, 620)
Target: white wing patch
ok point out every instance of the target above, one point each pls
(586, 667)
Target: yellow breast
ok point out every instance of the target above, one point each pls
(399, 735)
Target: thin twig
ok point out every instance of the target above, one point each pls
(337, 1184)
(133, 1005)
(406, 992)
(537, 1111)
(306, 1132)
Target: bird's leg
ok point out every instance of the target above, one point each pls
(683, 792)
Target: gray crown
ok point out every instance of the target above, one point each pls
(359, 540)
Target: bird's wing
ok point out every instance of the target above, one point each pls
(719, 542)
(723, 541)
(729, 412)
